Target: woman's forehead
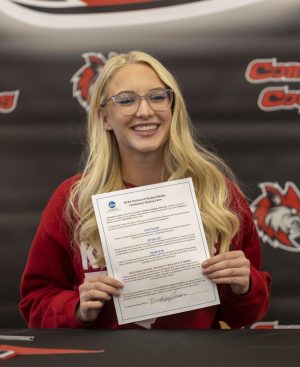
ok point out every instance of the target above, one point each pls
(134, 77)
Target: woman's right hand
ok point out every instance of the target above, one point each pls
(94, 292)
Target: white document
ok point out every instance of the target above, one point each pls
(153, 241)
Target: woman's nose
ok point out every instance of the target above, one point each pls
(144, 108)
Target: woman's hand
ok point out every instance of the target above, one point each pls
(231, 268)
(94, 292)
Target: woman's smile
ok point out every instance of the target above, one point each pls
(146, 129)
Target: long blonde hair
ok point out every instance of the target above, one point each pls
(183, 157)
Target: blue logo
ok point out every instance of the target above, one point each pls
(112, 204)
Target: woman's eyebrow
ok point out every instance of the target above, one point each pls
(132, 91)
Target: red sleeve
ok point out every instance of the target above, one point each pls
(49, 286)
(241, 310)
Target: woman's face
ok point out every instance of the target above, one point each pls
(146, 131)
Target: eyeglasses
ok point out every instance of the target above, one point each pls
(159, 99)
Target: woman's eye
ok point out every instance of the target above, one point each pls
(126, 100)
(158, 97)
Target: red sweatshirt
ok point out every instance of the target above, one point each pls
(54, 271)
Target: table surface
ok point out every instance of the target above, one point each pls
(184, 348)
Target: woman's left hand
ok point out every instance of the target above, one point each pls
(231, 268)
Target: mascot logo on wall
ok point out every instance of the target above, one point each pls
(8, 101)
(277, 215)
(85, 77)
(103, 13)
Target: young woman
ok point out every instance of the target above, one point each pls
(139, 133)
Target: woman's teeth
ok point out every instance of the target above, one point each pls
(145, 127)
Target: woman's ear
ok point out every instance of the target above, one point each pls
(104, 118)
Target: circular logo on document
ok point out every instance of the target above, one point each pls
(112, 204)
